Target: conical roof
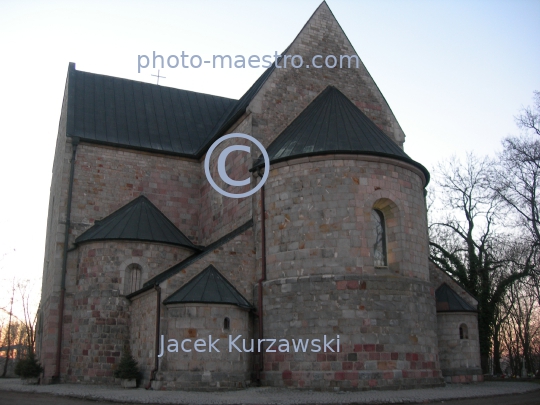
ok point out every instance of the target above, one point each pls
(449, 301)
(139, 220)
(208, 287)
(332, 124)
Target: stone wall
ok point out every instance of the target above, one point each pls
(460, 358)
(202, 370)
(234, 259)
(319, 217)
(107, 178)
(288, 91)
(143, 332)
(385, 326)
(219, 214)
(46, 342)
(322, 279)
(97, 314)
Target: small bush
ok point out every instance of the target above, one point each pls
(127, 368)
(28, 367)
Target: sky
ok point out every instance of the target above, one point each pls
(455, 73)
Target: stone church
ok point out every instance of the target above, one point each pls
(143, 252)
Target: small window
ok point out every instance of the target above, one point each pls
(379, 233)
(463, 331)
(133, 277)
(226, 324)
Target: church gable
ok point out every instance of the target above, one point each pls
(333, 124)
(287, 91)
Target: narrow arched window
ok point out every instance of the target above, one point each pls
(379, 233)
(463, 331)
(226, 324)
(133, 277)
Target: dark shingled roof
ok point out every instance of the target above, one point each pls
(144, 116)
(332, 124)
(209, 287)
(449, 301)
(139, 220)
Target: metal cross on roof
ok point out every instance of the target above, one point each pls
(158, 77)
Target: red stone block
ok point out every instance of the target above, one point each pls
(347, 365)
(352, 285)
(372, 383)
(321, 357)
(359, 365)
(339, 375)
(374, 356)
(286, 375)
(341, 285)
(351, 375)
(358, 348)
(369, 348)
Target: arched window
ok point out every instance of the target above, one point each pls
(133, 278)
(379, 233)
(226, 324)
(463, 331)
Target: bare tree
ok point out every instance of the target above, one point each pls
(8, 333)
(24, 288)
(466, 242)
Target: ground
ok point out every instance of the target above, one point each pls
(488, 393)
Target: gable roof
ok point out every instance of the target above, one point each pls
(122, 112)
(138, 220)
(449, 301)
(332, 124)
(208, 287)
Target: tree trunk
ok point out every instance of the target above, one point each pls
(8, 349)
(496, 352)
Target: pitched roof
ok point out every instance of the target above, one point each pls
(209, 287)
(332, 124)
(145, 116)
(449, 301)
(138, 220)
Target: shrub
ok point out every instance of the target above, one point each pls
(28, 367)
(127, 368)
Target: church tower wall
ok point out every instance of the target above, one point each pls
(322, 279)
